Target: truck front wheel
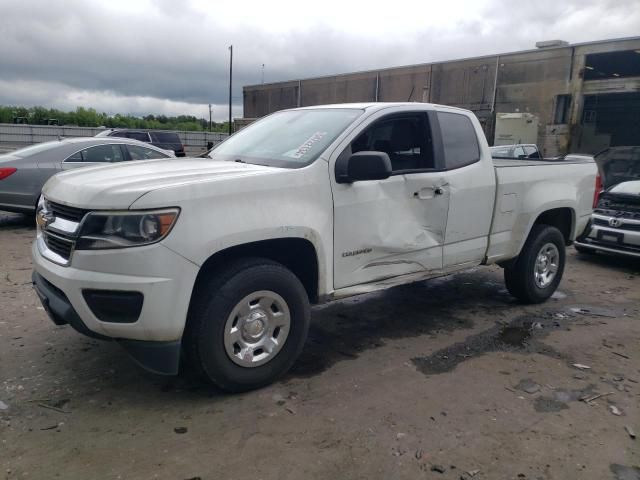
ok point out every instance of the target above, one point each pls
(247, 324)
(536, 273)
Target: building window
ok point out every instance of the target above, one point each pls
(600, 66)
(563, 103)
(589, 116)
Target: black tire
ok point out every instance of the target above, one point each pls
(214, 300)
(519, 276)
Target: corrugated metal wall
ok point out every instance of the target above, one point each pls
(18, 136)
(527, 82)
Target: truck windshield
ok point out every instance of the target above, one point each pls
(290, 139)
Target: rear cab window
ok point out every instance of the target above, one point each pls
(459, 140)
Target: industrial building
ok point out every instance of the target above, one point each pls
(583, 97)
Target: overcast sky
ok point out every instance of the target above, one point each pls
(171, 56)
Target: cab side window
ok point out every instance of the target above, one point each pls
(459, 140)
(405, 138)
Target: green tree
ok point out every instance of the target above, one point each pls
(89, 117)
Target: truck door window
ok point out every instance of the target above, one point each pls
(405, 138)
(459, 140)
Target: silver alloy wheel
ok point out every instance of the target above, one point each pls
(257, 328)
(546, 266)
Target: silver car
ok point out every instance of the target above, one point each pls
(23, 172)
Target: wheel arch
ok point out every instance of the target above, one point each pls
(563, 218)
(297, 254)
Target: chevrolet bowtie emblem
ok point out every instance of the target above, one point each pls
(44, 219)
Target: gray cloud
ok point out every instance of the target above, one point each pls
(175, 55)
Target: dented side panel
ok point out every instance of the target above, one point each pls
(389, 227)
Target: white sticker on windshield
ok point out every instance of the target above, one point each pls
(303, 149)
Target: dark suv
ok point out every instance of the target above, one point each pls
(157, 138)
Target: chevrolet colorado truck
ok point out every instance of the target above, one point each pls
(216, 261)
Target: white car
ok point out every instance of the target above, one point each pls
(221, 258)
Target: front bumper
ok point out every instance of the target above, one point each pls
(164, 278)
(58, 307)
(622, 239)
(158, 357)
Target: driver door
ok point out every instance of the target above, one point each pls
(385, 228)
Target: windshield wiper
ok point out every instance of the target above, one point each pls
(239, 160)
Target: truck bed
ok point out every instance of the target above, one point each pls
(505, 162)
(524, 190)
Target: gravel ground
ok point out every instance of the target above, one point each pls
(448, 379)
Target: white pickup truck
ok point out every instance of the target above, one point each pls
(220, 258)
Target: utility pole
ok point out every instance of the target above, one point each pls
(230, 83)
(263, 73)
(210, 117)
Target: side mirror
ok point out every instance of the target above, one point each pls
(363, 166)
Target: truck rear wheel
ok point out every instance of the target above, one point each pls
(537, 271)
(248, 324)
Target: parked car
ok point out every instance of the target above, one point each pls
(618, 164)
(520, 151)
(615, 223)
(23, 172)
(161, 139)
(221, 258)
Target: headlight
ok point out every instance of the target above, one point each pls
(101, 230)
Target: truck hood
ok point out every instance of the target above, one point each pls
(118, 186)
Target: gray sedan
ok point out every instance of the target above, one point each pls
(23, 172)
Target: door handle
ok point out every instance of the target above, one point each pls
(429, 192)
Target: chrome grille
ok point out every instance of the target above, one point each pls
(612, 206)
(64, 211)
(618, 213)
(623, 226)
(58, 229)
(59, 244)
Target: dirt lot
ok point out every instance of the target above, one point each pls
(448, 379)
